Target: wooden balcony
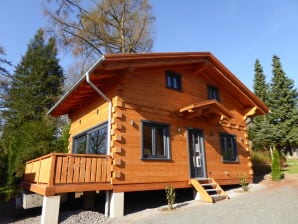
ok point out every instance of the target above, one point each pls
(62, 172)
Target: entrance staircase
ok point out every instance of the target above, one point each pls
(209, 190)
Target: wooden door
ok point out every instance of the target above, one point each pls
(196, 153)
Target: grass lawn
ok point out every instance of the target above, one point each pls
(292, 166)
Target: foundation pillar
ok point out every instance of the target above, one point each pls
(116, 204)
(50, 209)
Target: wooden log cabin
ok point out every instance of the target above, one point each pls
(142, 121)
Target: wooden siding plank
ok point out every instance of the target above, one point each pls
(98, 170)
(104, 171)
(88, 170)
(70, 172)
(76, 171)
(58, 169)
(93, 170)
(82, 170)
(64, 170)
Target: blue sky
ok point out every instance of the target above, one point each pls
(235, 31)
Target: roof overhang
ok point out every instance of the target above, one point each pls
(206, 109)
(110, 68)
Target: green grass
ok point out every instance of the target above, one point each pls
(292, 166)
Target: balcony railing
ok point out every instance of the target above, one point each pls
(62, 168)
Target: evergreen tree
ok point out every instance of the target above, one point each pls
(260, 86)
(260, 129)
(282, 100)
(275, 167)
(35, 86)
(4, 84)
(279, 127)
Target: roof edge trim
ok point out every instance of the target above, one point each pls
(91, 69)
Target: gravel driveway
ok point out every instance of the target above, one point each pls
(267, 202)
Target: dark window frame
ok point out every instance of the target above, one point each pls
(173, 80)
(88, 136)
(156, 126)
(213, 93)
(227, 143)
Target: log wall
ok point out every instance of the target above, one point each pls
(145, 97)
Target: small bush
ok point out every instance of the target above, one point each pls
(275, 167)
(170, 195)
(243, 183)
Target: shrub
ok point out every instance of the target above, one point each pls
(243, 183)
(170, 195)
(275, 167)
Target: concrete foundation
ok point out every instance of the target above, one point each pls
(116, 204)
(32, 200)
(196, 195)
(50, 209)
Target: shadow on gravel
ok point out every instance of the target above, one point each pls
(9, 213)
(138, 201)
(260, 171)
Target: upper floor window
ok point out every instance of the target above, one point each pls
(155, 140)
(93, 141)
(228, 147)
(213, 93)
(173, 80)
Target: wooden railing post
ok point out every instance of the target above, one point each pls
(52, 169)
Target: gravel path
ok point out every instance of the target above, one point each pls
(267, 202)
(272, 203)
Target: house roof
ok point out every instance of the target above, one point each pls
(110, 68)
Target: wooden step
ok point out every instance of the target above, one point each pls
(209, 185)
(213, 190)
(209, 189)
(218, 197)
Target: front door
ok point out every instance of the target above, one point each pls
(196, 153)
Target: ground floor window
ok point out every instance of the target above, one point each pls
(155, 140)
(228, 147)
(93, 141)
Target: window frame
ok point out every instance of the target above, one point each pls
(224, 149)
(170, 80)
(213, 93)
(166, 140)
(86, 134)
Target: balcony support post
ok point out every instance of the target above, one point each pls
(50, 209)
(116, 204)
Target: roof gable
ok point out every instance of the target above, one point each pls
(109, 70)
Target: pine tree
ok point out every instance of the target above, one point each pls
(4, 84)
(275, 167)
(282, 100)
(260, 87)
(260, 129)
(35, 86)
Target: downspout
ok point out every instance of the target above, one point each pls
(107, 204)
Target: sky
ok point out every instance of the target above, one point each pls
(237, 32)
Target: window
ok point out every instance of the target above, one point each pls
(173, 80)
(155, 140)
(228, 147)
(93, 141)
(213, 93)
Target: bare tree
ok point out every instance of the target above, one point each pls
(93, 27)
(74, 72)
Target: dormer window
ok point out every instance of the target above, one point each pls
(213, 93)
(173, 80)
